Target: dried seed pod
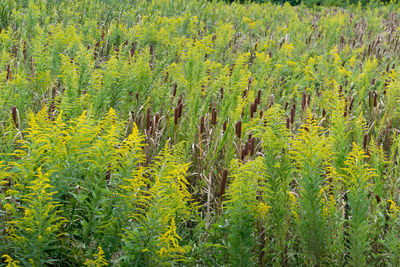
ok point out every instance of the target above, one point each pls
(370, 99)
(247, 148)
(323, 112)
(261, 114)
(176, 115)
(151, 50)
(53, 92)
(8, 69)
(223, 182)
(252, 146)
(221, 90)
(250, 136)
(373, 81)
(180, 107)
(365, 141)
(258, 96)
(251, 110)
(137, 97)
(239, 129)
(292, 113)
(243, 155)
(148, 118)
(286, 105)
(157, 118)
(308, 99)
(288, 122)
(174, 89)
(375, 99)
(378, 198)
(224, 126)
(202, 127)
(15, 116)
(214, 116)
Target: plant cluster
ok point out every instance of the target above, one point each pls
(198, 133)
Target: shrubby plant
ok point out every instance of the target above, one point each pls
(198, 133)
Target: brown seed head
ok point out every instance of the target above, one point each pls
(292, 113)
(258, 96)
(202, 127)
(176, 115)
(14, 113)
(365, 141)
(239, 129)
(148, 118)
(214, 116)
(303, 101)
(252, 146)
(174, 89)
(223, 182)
(180, 107)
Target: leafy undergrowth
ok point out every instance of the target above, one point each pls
(198, 133)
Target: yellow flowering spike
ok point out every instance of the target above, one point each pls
(99, 259)
(10, 262)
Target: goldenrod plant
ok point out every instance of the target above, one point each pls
(34, 234)
(358, 179)
(151, 237)
(245, 206)
(311, 153)
(98, 260)
(274, 137)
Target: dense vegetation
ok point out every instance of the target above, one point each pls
(198, 133)
(326, 3)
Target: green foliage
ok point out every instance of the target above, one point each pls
(199, 133)
(358, 176)
(151, 238)
(34, 236)
(310, 153)
(243, 210)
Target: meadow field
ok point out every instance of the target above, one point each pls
(199, 133)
